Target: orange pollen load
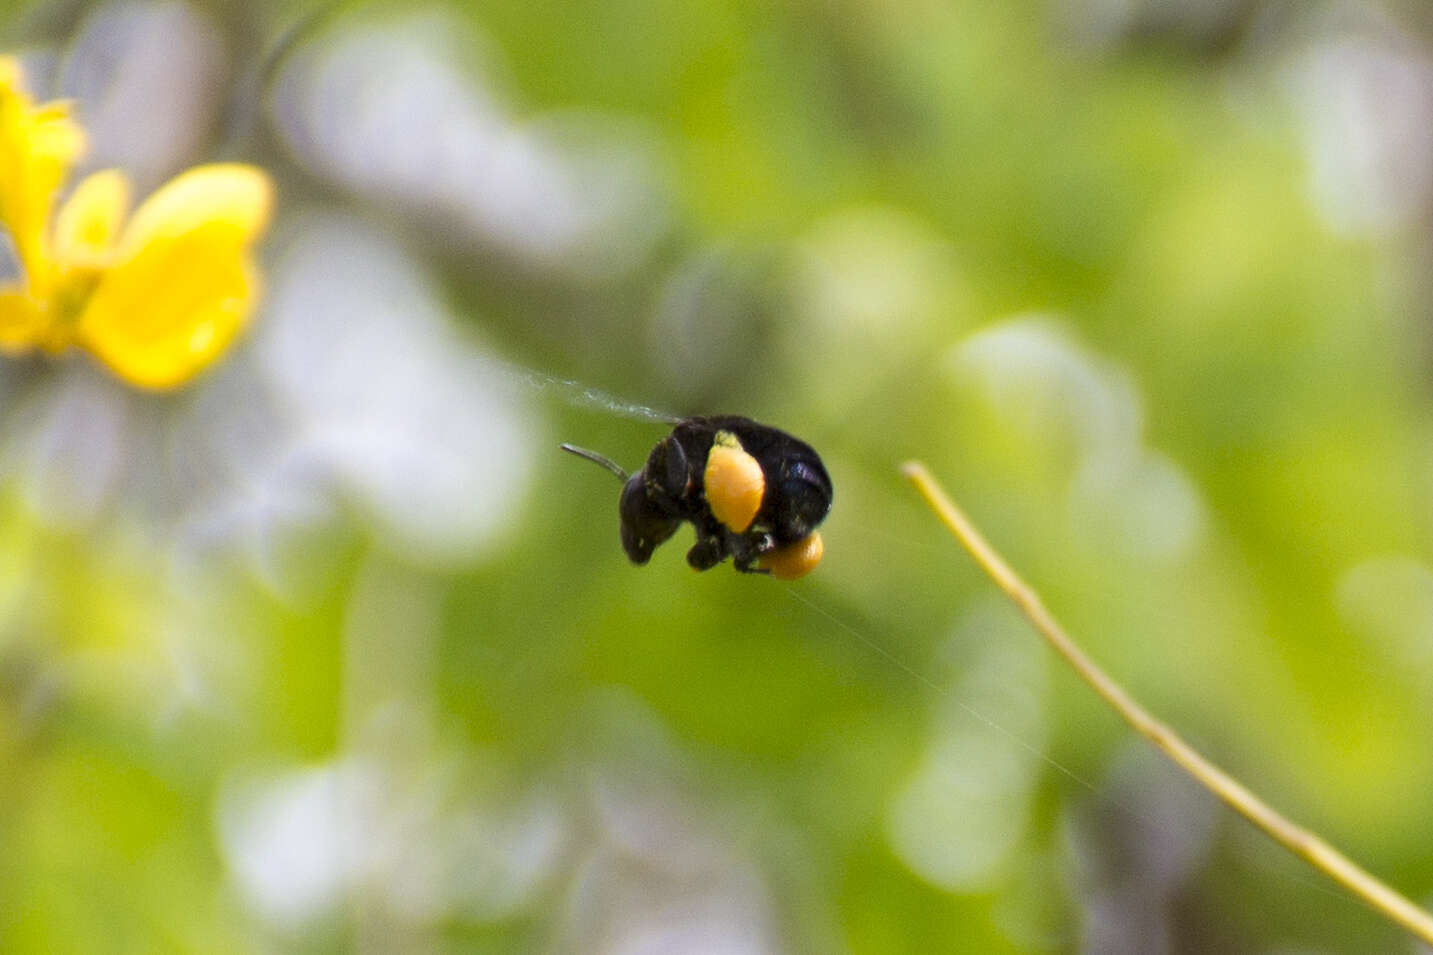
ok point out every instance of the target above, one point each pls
(734, 486)
(794, 560)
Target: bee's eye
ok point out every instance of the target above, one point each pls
(794, 560)
(667, 469)
(734, 485)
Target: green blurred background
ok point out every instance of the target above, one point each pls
(335, 651)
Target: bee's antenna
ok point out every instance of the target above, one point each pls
(596, 458)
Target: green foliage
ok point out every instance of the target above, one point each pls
(1088, 285)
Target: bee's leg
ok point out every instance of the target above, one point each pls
(706, 553)
(748, 566)
(747, 549)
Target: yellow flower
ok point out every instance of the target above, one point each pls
(157, 298)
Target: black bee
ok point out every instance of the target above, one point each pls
(753, 493)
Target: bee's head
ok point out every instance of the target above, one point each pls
(645, 523)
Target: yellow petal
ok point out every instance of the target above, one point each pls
(88, 222)
(231, 202)
(38, 145)
(182, 284)
(55, 136)
(22, 325)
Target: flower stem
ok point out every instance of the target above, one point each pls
(1298, 840)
